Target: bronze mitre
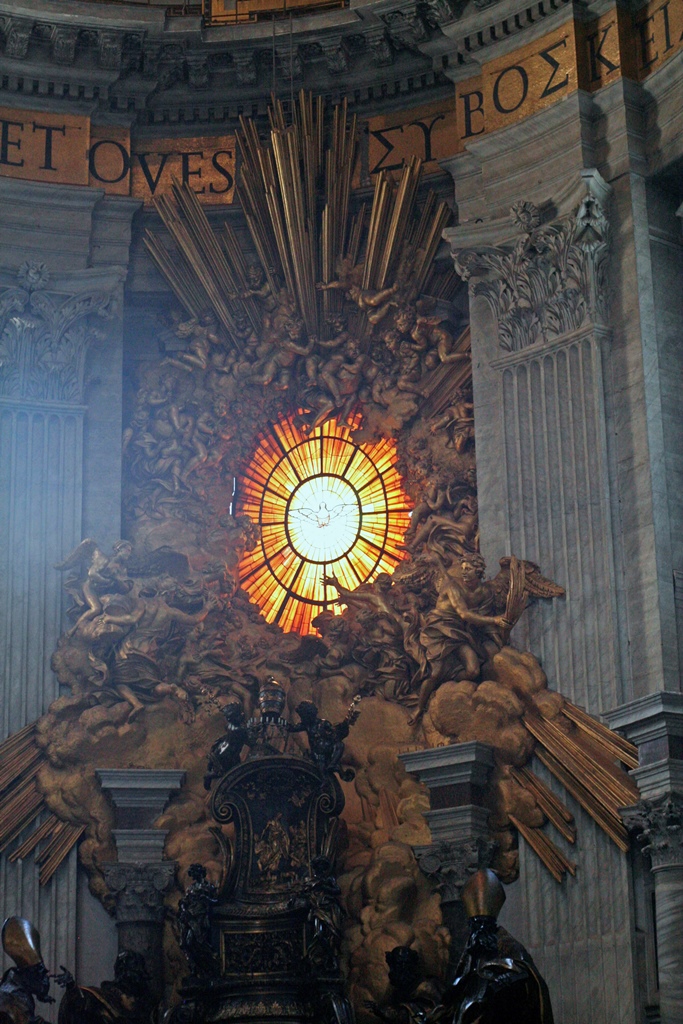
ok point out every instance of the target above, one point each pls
(21, 942)
(484, 895)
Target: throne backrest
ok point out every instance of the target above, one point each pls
(284, 810)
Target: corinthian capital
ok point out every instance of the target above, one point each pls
(451, 864)
(550, 280)
(139, 890)
(658, 826)
(45, 333)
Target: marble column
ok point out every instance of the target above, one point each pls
(457, 777)
(62, 270)
(140, 878)
(655, 724)
(534, 242)
(658, 825)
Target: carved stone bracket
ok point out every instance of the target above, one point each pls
(44, 337)
(17, 33)
(377, 40)
(110, 50)
(658, 826)
(336, 56)
(63, 41)
(553, 280)
(406, 29)
(440, 12)
(245, 68)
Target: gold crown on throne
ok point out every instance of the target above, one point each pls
(21, 942)
(483, 896)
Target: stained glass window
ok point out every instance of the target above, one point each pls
(326, 507)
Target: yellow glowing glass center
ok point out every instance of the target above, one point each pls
(325, 507)
(323, 519)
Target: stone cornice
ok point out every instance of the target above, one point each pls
(132, 58)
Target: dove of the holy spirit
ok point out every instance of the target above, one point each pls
(323, 518)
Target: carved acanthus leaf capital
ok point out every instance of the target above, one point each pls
(552, 281)
(44, 337)
(139, 890)
(658, 826)
(450, 864)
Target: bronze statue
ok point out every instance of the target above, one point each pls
(496, 979)
(321, 894)
(125, 1000)
(28, 980)
(195, 924)
(225, 752)
(326, 741)
(413, 995)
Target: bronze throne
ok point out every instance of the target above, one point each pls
(271, 954)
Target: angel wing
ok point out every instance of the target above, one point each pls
(83, 553)
(535, 583)
(421, 575)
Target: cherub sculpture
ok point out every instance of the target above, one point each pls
(195, 925)
(99, 574)
(458, 421)
(204, 334)
(375, 303)
(326, 741)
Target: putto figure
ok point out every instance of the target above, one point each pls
(325, 740)
(225, 753)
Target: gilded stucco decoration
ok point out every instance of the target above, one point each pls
(163, 639)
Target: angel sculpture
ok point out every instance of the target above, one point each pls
(473, 617)
(375, 303)
(99, 574)
(458, 421)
